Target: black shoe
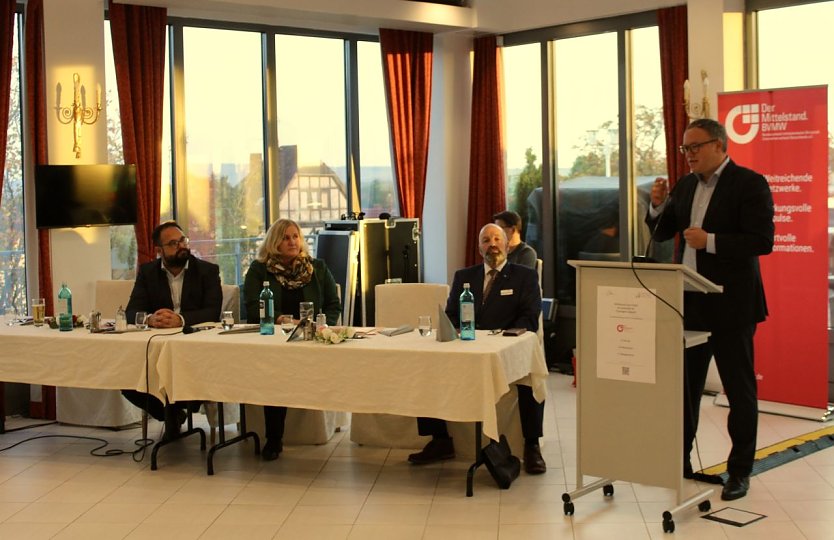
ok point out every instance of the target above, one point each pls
(533, 460)
(174, 419)
(435, 450)
(272, 449)
(735, 488)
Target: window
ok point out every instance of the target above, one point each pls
(223, 206)
(377, 173)
(311, 130)
(12, 245)
(585, 185)
(523, 125)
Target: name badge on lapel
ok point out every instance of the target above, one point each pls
(506, 292)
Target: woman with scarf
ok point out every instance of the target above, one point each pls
(294, 277)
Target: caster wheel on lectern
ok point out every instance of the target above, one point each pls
(668, 526)
(568, 508)
(704, 506)
(608, 490)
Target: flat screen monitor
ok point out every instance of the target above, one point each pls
(84, 195)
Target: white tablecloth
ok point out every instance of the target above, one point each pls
(407, 375)
(79, 358)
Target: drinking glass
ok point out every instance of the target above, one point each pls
(38, 311)
(306, 311)
(424, 325)
(228, 320)
(141, 320)
(286, 324)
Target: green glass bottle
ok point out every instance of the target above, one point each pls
(64, 308)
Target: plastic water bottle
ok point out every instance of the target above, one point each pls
(65, 308)
(467, 313)
(267, 311)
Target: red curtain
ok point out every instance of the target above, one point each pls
(406, 65)
(36, 146)
(7, 30)
(139, 54)
(486, 154)
(674, 70)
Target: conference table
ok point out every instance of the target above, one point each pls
(406, 374)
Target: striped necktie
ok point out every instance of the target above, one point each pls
(490, 281)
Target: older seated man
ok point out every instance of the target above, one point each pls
(507, 295)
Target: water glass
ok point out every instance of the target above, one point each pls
(287, 326)
(306, 311)
(424, 325)
(141, 320)
(228, 320)
(38, 311)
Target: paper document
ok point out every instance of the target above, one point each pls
(626, 328)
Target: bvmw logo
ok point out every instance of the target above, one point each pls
(749, 114)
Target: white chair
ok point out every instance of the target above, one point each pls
(93, 407)
(402, 303)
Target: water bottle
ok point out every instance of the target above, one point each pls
(267, 311)
(65, 308)
(321, 321)
(121, 320)
(467, 313)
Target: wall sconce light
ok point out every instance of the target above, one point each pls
(78, 114)
(697, 110)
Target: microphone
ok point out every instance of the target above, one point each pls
(645, 257)
(192, 329)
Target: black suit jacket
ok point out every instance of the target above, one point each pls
(514, 301)
(740, 214)
(202, 296)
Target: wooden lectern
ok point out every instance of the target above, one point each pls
(632, 430)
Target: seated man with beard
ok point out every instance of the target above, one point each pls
(177, 290)
(507, 295)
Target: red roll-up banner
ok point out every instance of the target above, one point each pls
(783, 134)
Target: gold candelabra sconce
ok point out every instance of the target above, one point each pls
(696, 110)
(78, 114)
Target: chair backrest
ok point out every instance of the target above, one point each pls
(396, 304)
(231, 300)
(110, 294)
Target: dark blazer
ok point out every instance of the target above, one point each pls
(321, 291)
(202, 297)
(740, 214)
(514, 301)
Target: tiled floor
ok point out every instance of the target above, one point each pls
(53, 488)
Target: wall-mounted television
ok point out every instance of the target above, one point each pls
(84, 195)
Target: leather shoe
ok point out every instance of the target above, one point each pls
(533, 460)
(272, 449)
(735, 488)
(436, 450)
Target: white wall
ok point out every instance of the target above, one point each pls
(74, 43)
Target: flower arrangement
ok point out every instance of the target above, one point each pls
(78, 321)
(331, 335)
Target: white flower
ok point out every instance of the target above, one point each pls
(335, 338)
(326, 333)
(350, 332)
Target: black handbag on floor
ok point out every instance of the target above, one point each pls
(502, 464)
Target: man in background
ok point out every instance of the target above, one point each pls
(518, 252)
(724, 216)
(507, 295)
(176, 290)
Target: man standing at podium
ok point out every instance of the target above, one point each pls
(724, 216)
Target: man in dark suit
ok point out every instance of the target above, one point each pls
(506, 296)
(724, 216)
(177, 290)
